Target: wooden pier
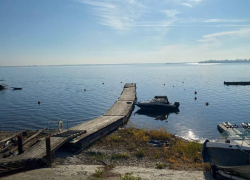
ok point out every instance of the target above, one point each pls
(244, 83)
(83, 134)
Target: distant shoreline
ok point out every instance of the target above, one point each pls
(227, 61)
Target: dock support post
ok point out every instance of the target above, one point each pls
(48, 151)
(20, 144)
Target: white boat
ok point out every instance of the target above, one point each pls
(3, 86)
(158, 102)
(231, 152)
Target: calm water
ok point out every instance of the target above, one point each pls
(61, 92)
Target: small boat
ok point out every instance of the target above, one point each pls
(3, 86)
(16, 88)
(230, 153)
(158, 102)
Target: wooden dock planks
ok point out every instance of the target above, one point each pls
(94, 129)
(120, 108)
(128, 94)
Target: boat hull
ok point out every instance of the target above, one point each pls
(157, 106)
(231, 159)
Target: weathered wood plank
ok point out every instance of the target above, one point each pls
(128, 85)
(8, 138)
(128, 94)
(120, 108)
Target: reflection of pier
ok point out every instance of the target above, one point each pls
(237, 83)
(78, 136)
(157, 114)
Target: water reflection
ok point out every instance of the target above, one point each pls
(157, 114)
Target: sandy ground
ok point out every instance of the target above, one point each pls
(82, 172)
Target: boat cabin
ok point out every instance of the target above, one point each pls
(162, 98)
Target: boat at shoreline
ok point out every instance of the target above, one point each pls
(231, 152)
(157, 103)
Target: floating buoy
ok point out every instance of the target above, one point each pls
(102, 83)
(195, 92)
(164, 84)
(39, 102)
(173, 86)
(182, 82)
(195, 98)
(85, 90)
(121, 82)
(184, 89)
(207, 103)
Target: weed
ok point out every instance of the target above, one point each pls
(99, 173)
(160, 166)
(120, 156)
(129, 176)
(140, 153)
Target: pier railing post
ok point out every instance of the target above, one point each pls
(48, 151)
(20, 144)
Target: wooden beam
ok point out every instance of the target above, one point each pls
(8, 138)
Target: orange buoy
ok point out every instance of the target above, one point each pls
(195, 92)
(39, 102)
(207, 103)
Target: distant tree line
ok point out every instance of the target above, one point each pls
(226, 61)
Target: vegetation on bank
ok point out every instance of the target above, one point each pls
(178, 154)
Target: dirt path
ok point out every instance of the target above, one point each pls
(82, 172)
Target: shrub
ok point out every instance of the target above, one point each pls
(140, 153)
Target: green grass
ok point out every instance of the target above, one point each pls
(120, 156)
(129, 176)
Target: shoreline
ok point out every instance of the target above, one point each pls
(127, 150)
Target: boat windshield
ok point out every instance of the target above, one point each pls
(162, 100)
(237, 135)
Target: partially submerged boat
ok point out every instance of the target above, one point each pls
(231, 152)
(158, 102)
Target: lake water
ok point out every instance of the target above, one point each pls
(61, 92)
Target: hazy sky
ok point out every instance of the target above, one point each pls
(50, 32)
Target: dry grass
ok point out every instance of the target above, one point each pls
(180, 155)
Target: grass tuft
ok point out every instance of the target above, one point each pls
(120, 156)
(129, 176)
(140, 153)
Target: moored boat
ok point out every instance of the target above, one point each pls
(231, 152)
(3, 86)
(158, 102)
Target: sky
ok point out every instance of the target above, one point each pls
(61, 32)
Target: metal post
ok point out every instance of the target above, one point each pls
(48, 151)
(67, 124)
(20, 144)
